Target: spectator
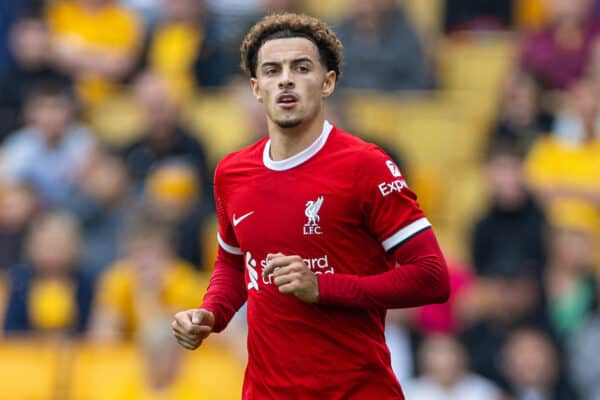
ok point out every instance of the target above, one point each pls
(50, 150)
(564, 168)
(95, 41)
(48, 293)
(446, 375)
(10, 11)
(569, 285)
(582, 360)
(509, 239)
(163, 139)
(558, 54)
(149, 283)
(521, 119)
(173, 192)
(99, 200)
(381, 49)
(533, 368)
(18, 206)
(32, 67)
(183, 48)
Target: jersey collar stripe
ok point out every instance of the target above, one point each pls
(228, 248)
(299, 158)
(405, 233)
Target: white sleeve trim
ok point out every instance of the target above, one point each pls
(405, 233)
(228, 248)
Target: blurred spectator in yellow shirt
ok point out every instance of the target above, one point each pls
(173, 192)
(48, 292)
(564, 168)
(182, 48)
(95, 41)
(163, 137)
(149, 283)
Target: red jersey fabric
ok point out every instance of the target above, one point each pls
(344, 207)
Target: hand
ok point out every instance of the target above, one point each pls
(292, 276)
(191, 327)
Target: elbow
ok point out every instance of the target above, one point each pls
(439, 283)
(443, 286)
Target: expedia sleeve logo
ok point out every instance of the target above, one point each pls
(387, 188)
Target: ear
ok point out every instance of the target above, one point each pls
(255, 89)
(328, 84)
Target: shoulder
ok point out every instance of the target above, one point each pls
(116, 276)
(366, 156)
(239, 161)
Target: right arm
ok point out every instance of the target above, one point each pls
(226, 291)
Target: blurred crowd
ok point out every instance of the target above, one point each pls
(104, 235)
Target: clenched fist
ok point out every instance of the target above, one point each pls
(191, 327)
(292, 276)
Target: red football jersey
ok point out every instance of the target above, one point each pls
(342, 205)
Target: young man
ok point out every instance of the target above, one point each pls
(317, 230)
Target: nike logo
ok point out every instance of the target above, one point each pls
(236, 221)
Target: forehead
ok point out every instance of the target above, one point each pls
(287, 49)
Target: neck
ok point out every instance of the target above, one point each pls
(287, 142)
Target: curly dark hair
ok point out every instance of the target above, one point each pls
(289, 25)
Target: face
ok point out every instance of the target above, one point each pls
(530, 359)
(30, 40)
(51, 115)
(291, 82)
(505, 174)
(568, 9)
(155, 101)
(443, 359)
(51, 234)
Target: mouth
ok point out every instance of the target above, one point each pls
(287, 100)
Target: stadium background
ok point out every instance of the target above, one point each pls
(113, 115)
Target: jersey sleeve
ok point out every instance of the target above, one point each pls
(225, 235)
(389, 208)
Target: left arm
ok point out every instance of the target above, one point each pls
(420, 278)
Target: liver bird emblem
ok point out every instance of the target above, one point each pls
(312, 210)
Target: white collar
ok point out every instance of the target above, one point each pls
(299, 158)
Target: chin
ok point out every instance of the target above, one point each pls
(288, 123)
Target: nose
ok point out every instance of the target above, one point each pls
(287, 79)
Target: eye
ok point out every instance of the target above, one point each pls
(302, 68)
(270, 71)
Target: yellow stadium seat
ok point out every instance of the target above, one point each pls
(117, 372)
(464, 200)
(478, 63)
(426, 15)
(219, 120)
(29, 370)
(331, 10)
(116, 120)
(102, 371)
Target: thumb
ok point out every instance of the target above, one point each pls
(197, 317)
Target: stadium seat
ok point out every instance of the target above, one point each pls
(219, 121)
(30, 370)
(478, 63)
(103, 371)
(116, 372)
(426, 15)
(331, 10)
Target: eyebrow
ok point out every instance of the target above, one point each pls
(294, 61)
